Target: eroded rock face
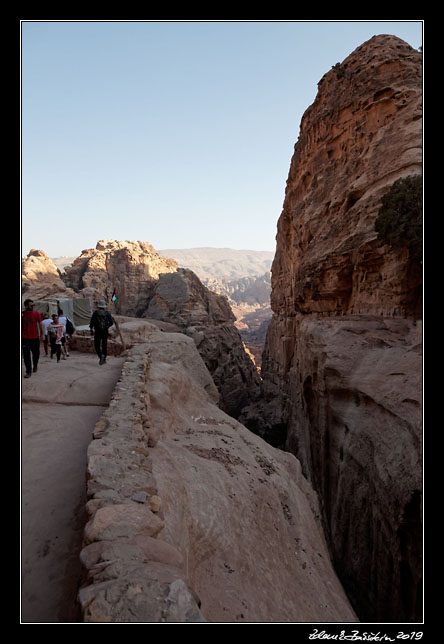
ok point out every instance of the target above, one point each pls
(234, 535)
(151, 286)
(131, 267)
(180, 298)
(354, 419)
(342, 363)
(363, 132)
(41, 277)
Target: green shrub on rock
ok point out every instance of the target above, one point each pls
(399, 221)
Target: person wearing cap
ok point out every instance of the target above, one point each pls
(101, 321)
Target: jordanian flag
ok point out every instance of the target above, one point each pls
(115, 297)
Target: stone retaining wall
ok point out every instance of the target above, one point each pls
(85, 344)
(131, 575)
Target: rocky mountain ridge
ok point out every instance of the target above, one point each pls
(226, 264)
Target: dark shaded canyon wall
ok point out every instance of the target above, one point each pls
(342, 363)
(181, 299)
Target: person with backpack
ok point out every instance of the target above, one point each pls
(101, 321)
(69, 330)
(56, 331)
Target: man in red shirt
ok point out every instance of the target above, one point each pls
(32, 331)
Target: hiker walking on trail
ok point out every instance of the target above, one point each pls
(32, 333)
(101, 321)
(56, 332)
(69, 330)
(45, 323)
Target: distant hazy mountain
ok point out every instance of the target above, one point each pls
(225, 263)
(244, 277)
(61, 262)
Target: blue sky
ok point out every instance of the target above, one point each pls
(175, 133)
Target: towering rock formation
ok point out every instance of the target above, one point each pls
(181, 298)
(342, 363)
(361, 134)
(131, 267)
(151, 286)
(41, 277)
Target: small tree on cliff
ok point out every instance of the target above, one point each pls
(399, 221)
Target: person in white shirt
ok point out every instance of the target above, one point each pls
(45, 323)
(56, 331)
(65, 339)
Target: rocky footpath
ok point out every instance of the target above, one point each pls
(191, 517)
(342, 364)
(60, 404)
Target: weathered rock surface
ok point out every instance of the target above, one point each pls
(343, 387)
(153, 287)
(181, 299)
(131, 267)
(362, 132)
(249, 299)
(250, 291)
(240, 538)
(252, 324)
(41, 277)
(243, 276)
(353, 410)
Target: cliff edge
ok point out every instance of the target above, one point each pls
(342, 363)
(191, 517)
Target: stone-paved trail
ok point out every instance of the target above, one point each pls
(60, 405)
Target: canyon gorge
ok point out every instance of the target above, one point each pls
(342, 365)
(262, 461)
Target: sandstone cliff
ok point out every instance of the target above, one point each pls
(41, 277)
(131, 267)
(191, 517)
(180, 298)
(363, 132)
(241, 275)
(342, 363)
(249, 299)
(152, 286)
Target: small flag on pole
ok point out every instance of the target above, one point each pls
(115, 297)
